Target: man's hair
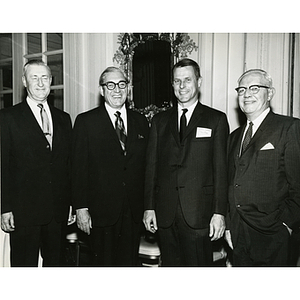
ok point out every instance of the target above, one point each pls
(186, 62)
(36, 62)
(111, 70)
(257, 71)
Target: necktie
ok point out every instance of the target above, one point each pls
(183, 123)
(247, 138)
(45, 124)
(120, 129)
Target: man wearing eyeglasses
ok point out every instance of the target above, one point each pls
(264, 177)
(109, 144)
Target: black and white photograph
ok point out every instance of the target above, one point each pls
(154, 158)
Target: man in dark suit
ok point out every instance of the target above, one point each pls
(108, 167)
(35, 171)
(264, 177)
(186, 174)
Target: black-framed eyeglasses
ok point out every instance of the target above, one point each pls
(254, 89)
(111, 85)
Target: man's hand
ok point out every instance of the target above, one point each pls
(149, 220)
(84, 221)
(216, 227)
(227, 238)
(7, 222)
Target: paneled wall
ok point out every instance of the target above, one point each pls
(222, 57)
(86, 56)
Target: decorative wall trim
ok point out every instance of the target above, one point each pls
(181, 46)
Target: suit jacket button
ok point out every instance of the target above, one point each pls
(238, 206)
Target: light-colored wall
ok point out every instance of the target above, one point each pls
(222, 57)
(86, 56)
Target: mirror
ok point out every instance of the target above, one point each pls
(147, 60)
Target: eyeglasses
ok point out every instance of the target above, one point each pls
(111, 85)
(254, 89)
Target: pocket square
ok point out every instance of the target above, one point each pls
(267, 146)
(140, 136)
(203, 132)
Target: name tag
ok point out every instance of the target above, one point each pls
(203, 132)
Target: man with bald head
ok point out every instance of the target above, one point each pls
(264, 177)
(109, 149)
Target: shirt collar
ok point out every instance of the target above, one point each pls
(260, 118)
(189, 112)
(34, 104)
(112, 110)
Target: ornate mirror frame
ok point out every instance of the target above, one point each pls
(181, 45)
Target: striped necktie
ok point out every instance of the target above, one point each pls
(247, 138)
(45, 124)
(120, 130)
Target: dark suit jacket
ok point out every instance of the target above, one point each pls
(194, 172)
(35, 180)
(264, 185)
(102, 176)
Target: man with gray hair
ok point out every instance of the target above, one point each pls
(264, 177)
(109, 152)
(35, 172)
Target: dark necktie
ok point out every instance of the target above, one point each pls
(120, 129)
(247, 138)
(45, 123)
(183, 123)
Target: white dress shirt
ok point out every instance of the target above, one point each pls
(188, 113)
(37, 112)
(256, 124)
(111, 112)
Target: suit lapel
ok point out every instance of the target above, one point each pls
(260, 136)
(30, 122)
(236, 144)
(196, 116)
(57, 129)
(103, 121)
(173, 124)
(131, 130)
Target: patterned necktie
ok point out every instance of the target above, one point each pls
(120, 129)
(183, 123)
(247, 138)
(45, 124)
